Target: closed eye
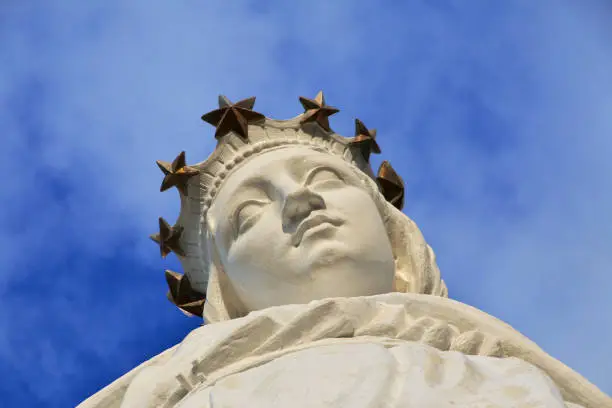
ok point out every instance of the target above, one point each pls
(322, 174)
(245, 214)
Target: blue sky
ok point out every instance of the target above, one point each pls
(498, 115)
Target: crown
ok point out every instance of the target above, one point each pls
(242, 133)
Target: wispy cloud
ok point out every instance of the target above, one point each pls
(497, 116)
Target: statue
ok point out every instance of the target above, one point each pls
(317, 291)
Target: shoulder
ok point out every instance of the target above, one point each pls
(113, 394)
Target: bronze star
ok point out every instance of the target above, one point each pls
(182, 295)
(317, 111)
(391, 184)
(176, 174)
(365, 139)
(168, 238)
(233, 117)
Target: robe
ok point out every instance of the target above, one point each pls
(391, 350)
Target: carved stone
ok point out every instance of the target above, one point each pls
(321, 293)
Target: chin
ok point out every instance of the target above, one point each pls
(344, 276)
(326, 254)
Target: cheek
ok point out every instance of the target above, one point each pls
(355, 204)
(256, 258)
(363, 218)
(263, 241)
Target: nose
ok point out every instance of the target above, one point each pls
(298, 205)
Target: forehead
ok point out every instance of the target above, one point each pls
(291, 162)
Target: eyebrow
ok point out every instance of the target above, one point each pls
(253, 184)
(298, 169)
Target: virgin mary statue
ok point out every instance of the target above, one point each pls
(317, 291)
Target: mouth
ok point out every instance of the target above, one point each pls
(310, 223)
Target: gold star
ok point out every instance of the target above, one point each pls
(233, 117)
(168, 238)
(176, 174)
(391, 184)
(182, 294)
(365, 139)
(317, 111)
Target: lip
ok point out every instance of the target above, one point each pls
(311, 222)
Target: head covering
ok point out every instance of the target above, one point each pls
(242, 134)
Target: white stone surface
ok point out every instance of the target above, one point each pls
(294, 224)
(370, 375)
(392, 324)
(321, 294)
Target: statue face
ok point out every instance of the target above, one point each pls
(295, 225)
